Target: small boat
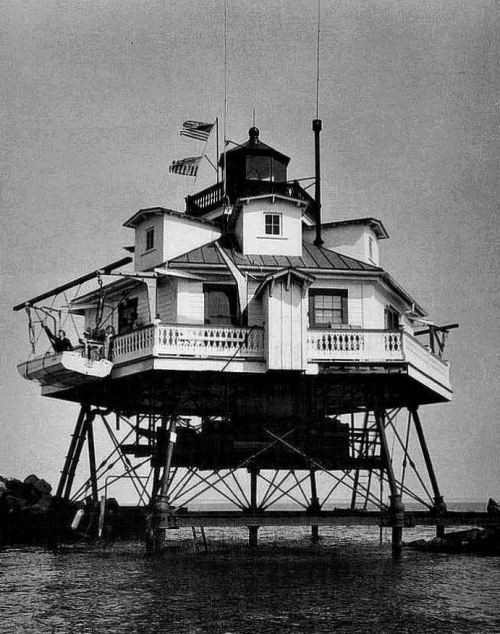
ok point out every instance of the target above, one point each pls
(68, 368)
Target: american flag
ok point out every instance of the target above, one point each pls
(186, 167)
(196, 130)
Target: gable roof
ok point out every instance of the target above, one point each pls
(269, 281)
(312, 257)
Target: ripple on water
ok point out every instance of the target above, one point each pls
(286, 585)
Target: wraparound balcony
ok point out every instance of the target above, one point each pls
(230, 344)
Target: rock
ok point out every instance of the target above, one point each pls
(493, 507)
(39, 485)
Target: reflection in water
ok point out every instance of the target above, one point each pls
(345, 584)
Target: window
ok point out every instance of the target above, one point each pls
(391, 318)
(272, 224)
(327, 308)
(258, 168)
(370, 248)
(265, 168)
(221, 304)
(150, 238)
(127, 316)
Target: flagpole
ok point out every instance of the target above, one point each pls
(217, 146)
(225, 98)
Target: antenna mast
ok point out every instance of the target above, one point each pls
(225, 99)
(316, 126)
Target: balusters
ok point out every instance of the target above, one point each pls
(192, 340)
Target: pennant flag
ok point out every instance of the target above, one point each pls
(196, 130)
(186, 167)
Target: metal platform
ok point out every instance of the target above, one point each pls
(340, 517)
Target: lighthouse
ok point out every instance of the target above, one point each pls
(254, 350)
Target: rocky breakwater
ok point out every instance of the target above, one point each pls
(485, 541)
(29, 513)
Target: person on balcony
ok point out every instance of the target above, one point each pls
(60, 343)
(63, 342)
(109, 334)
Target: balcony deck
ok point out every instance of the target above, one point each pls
(236, 349)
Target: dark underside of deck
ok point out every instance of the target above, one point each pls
(293, 394)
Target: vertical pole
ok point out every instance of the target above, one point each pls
(217, 148)
(381, 529)
(92, 467)
(396, 505)
(316, 126)
(204, 538)
(224, 173)
(253, 530)
(102, 513)
(439, 505)
(162, 506)
(432, 342)
(314, 507)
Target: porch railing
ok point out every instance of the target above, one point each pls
(209, 341)
(322, 345)
(354, 345)
(192, 341)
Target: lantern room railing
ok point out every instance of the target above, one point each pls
(213, 197)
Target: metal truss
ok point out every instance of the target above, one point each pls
(380, 461)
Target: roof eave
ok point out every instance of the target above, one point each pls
(374, 224)
(161, 211)
(296, 201)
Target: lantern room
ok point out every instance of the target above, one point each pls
(254, 162)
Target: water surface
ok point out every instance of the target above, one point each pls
(347, 583)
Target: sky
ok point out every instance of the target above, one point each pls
(93, 95)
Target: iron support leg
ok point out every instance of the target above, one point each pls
(314, 507)
(439, 504)
(162, 507)
(78, 451)
(92, 466)
(253, 531)
(68, 468)
(396, 506)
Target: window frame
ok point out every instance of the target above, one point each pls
(371, 248)
(273, 214)
(330, 292)
(150, 231)
(389, 314)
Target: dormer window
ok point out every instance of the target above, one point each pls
(150, 238)
(272, 224)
